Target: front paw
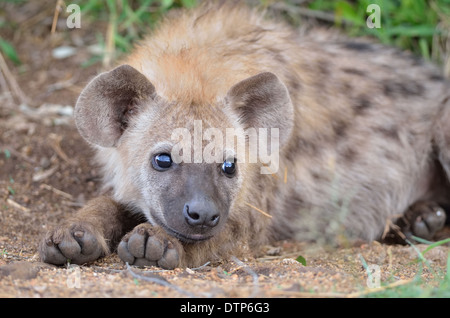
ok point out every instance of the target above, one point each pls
(147, 245)
(77, 243)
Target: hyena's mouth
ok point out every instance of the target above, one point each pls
(191, 238)
(187, 238)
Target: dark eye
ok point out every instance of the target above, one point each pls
(229, 167)
(162, 162)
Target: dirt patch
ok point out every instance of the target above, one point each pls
(46, 174)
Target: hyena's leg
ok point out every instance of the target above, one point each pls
(442, 144)
(442, 136)
(423, 219)
(89, 234)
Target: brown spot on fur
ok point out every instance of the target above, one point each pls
(404, 88)
(349, 154)
(306, 146)
(347, 87)
(317, 176)
(292, 204)
(361, 104)
(390, 155)
(293, 83)
(358, 46)
(278, 56)
(436, 77)
(444, 102)
(390, 132)
(351, 70)
(339, 127)
(323, 67)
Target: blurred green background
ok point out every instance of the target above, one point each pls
(422, 26)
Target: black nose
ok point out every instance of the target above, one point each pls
(200, 215)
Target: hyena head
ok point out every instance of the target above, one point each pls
(156, 161)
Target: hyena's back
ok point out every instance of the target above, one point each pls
(365, 145)
(366, 116)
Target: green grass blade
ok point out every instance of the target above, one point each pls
(7, 49)
(431, 244)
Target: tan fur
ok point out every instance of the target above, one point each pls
(185, 55)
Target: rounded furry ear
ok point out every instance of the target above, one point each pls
(105, 104)
(263, 101)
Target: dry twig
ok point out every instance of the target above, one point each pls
(250, 271)
(42, 175)
(18, 206)
(59, 4)
(259, 210)
(17, 93)
(56, 191)
(378, 289)
(56, 146)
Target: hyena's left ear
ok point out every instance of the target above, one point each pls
(262, 101)
(105, 104)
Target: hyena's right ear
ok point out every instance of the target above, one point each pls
(102, 110)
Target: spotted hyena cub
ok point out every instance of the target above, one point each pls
(224, 131)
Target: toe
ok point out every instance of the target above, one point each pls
(70, 248)
(170, 259)
(420, 229)
(50, 253)
(154, 249)
(136, 245)
(436, 219)
(124, 253)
